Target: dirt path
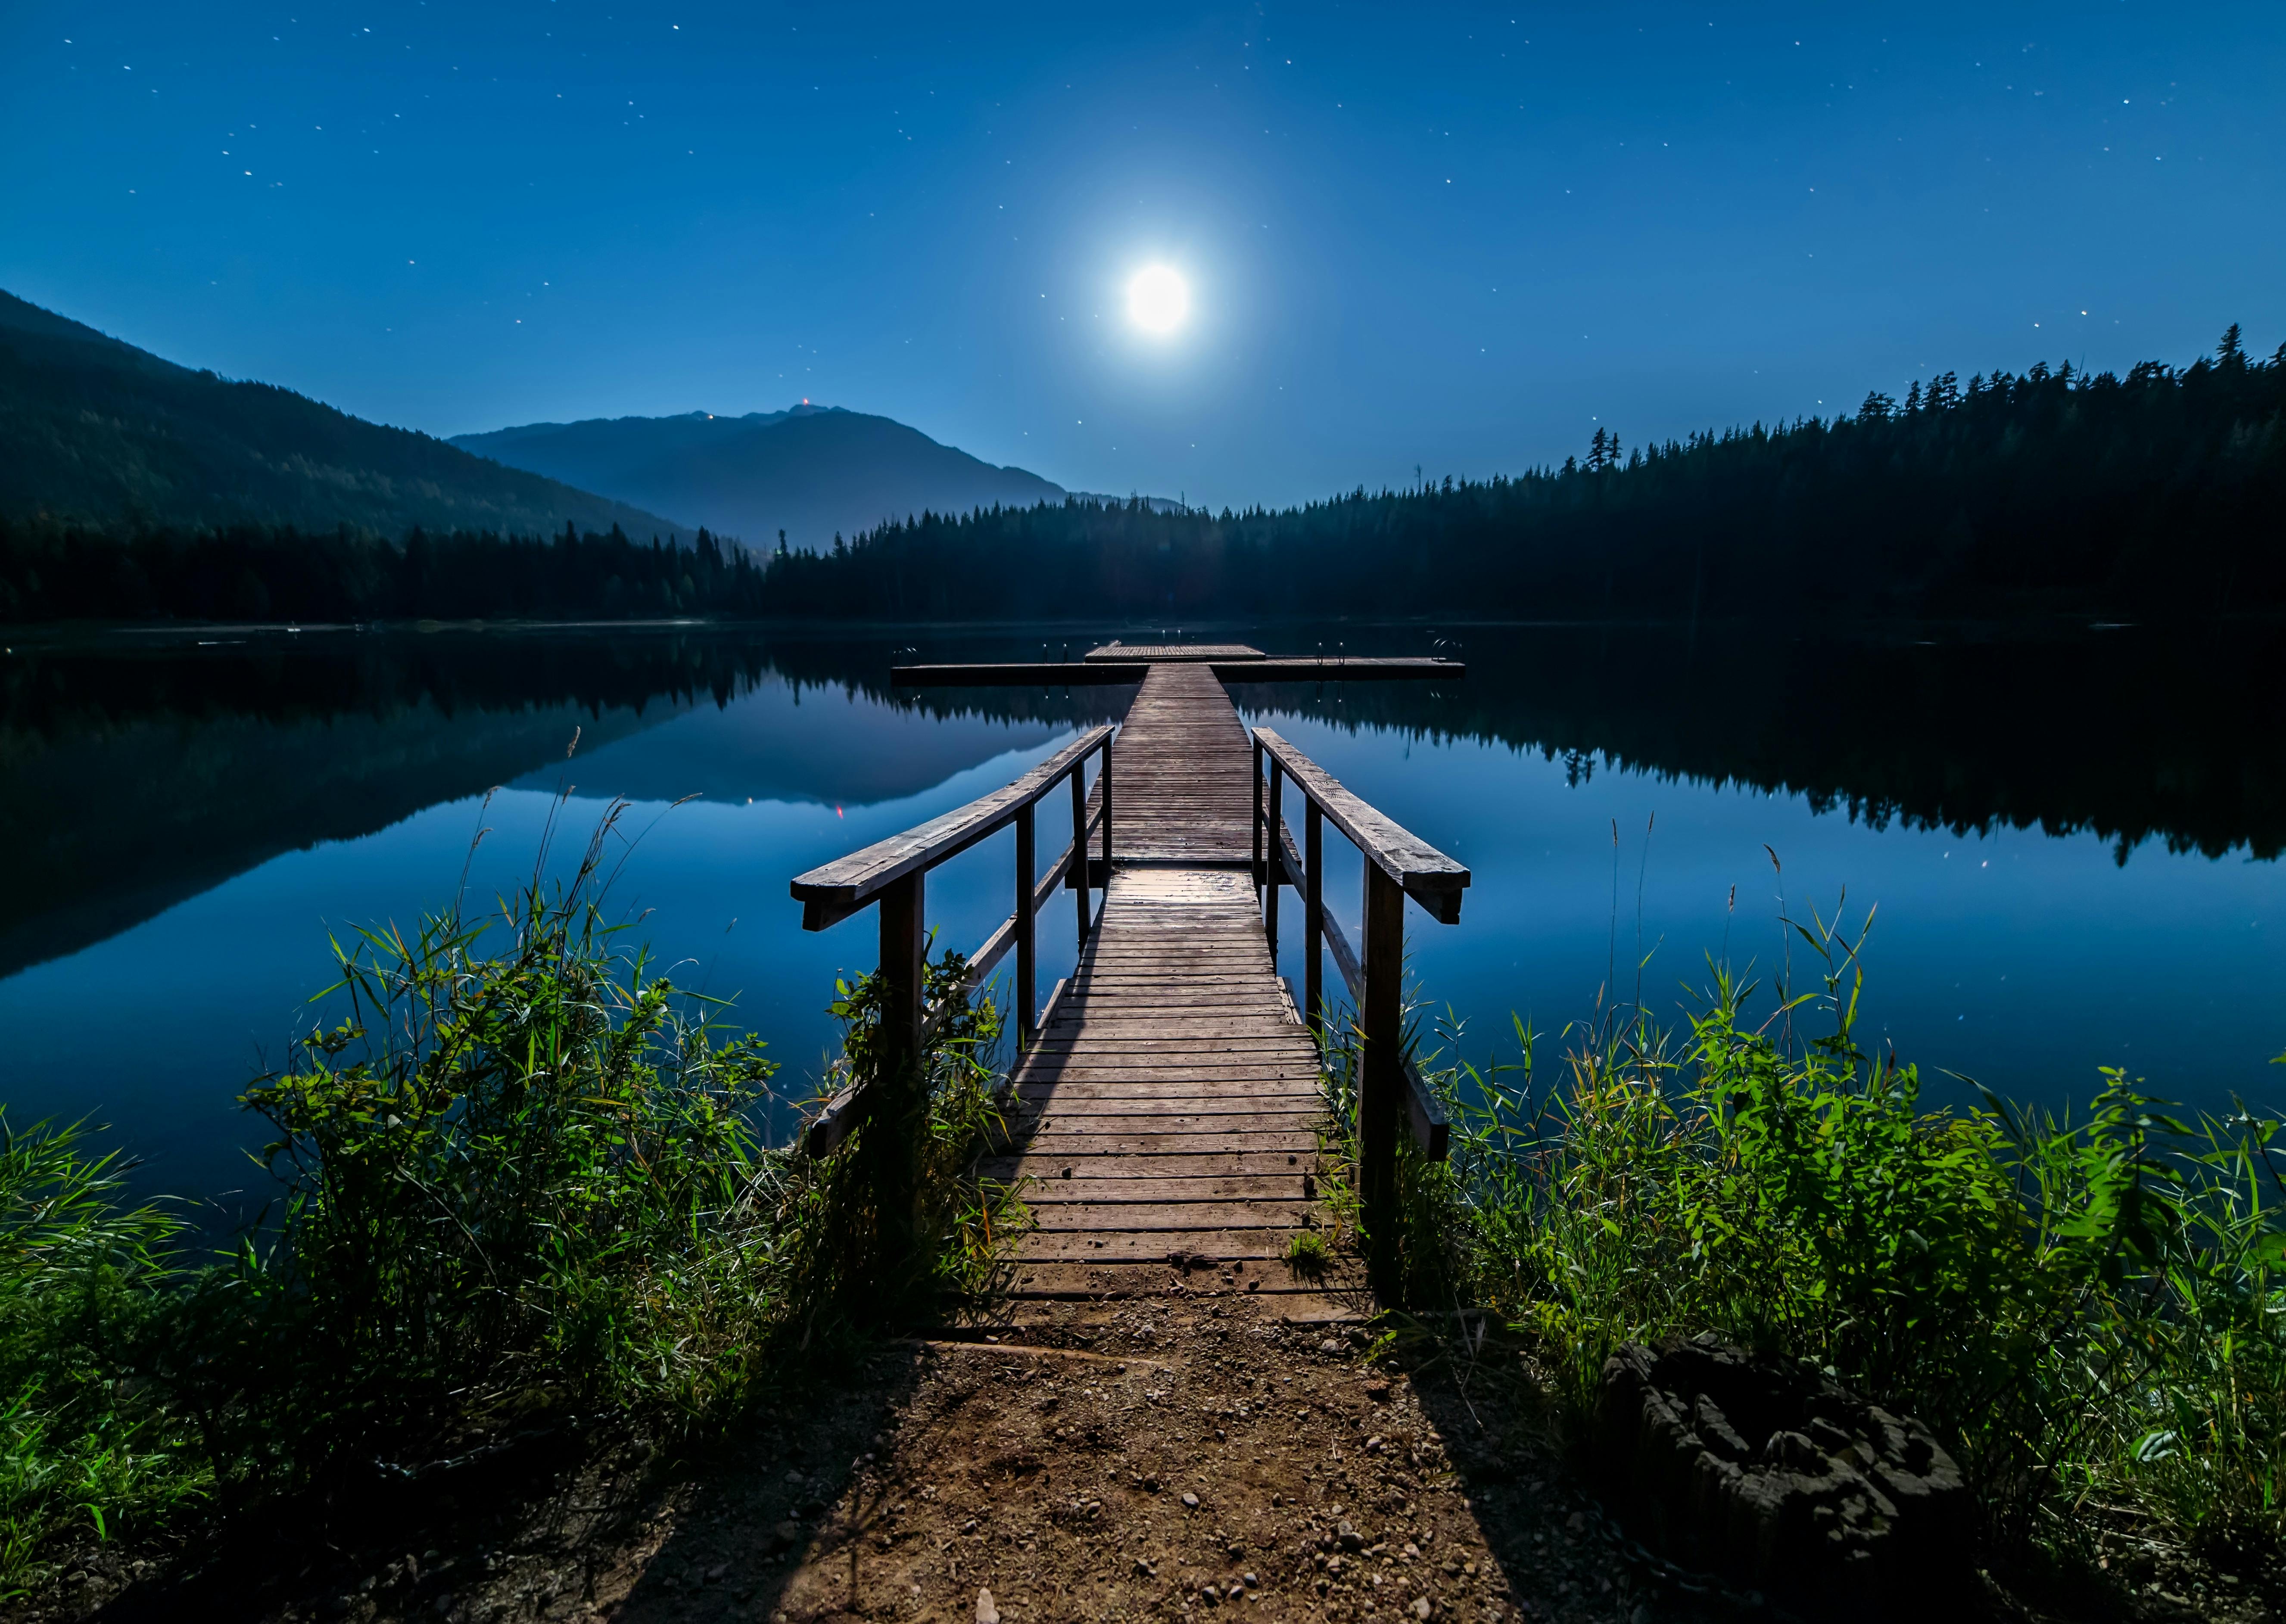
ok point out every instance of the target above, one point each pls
(1166, 1458)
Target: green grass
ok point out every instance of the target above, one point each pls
(83, 1447)
(520, 1183)
(1308, 1256)
(2091, 1312)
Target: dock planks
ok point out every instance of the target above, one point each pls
(1165, 1128)
(1182, 789)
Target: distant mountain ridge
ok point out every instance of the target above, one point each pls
(95, 429)
(811, 471)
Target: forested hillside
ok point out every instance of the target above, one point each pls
(2164, 490)
(2160, 492)
(102, 433)
(55, 572)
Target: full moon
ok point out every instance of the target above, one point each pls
(1157, 299)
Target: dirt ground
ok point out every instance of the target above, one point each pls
(1163, 1456)
(1174, 1457)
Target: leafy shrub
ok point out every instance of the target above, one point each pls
(522, 1174)
(2092, 1313)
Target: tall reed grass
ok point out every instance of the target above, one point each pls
(2092, 1311)
(521, 1183)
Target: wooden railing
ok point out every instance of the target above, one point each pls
(1398, 865)
(893, 874)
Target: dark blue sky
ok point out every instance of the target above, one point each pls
(1451, 237)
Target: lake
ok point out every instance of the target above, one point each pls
(2071, 833)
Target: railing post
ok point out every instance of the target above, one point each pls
(1273, 838)
(1381, 1098)
(1259, 872)
(1027, 958)
(1079, 876)
(1105, 779)
(1313, 918)
(893, 1133)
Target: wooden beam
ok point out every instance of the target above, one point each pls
(832, 893)
(1427, 875)
(1313, 918)
(1109, 672)
(1018, 674)
(1276, 668)
(1382, 1088)
(1173, 652)
(899, 1111)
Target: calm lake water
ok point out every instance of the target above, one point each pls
(2071, 837)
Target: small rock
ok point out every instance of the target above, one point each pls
(1422, 1606)
(1190, 1501)
(1329, 1346)
(1248, 1580)
(715, 1574)
(1640, 1615)
(986, 1612)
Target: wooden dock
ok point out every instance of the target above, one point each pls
(1168, 1112)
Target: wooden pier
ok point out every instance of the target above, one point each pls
(1166, 1108)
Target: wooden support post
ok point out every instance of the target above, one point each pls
(1079, 876)
(1106, 781)
(1381, 1097)
(1258, 870)
(1273, 836)
(893, 1131)
(1027, 958)
(1313, 918)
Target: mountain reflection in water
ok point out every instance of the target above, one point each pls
(155, 790)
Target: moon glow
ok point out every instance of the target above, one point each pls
(1158, 299)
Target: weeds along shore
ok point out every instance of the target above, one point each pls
(2090, 1313)
(520, 1188)
(520, 1185)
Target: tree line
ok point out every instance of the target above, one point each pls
(55, 571)
(2055, 489)
(2052, 490)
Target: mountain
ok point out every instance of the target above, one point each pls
(810, 472)
(94, 429)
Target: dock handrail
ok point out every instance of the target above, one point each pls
(893, 874)
(1398, 865)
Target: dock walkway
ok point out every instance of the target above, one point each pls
(1168, 1110)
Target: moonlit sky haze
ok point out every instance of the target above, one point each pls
(1461, 238)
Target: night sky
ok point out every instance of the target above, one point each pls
(1454, 238)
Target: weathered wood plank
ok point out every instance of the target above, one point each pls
(832, 891)
(1116, 651)
(1143, 1170)
(1151, 1218)
(1427, 875)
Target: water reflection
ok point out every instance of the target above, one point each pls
(188, 814)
